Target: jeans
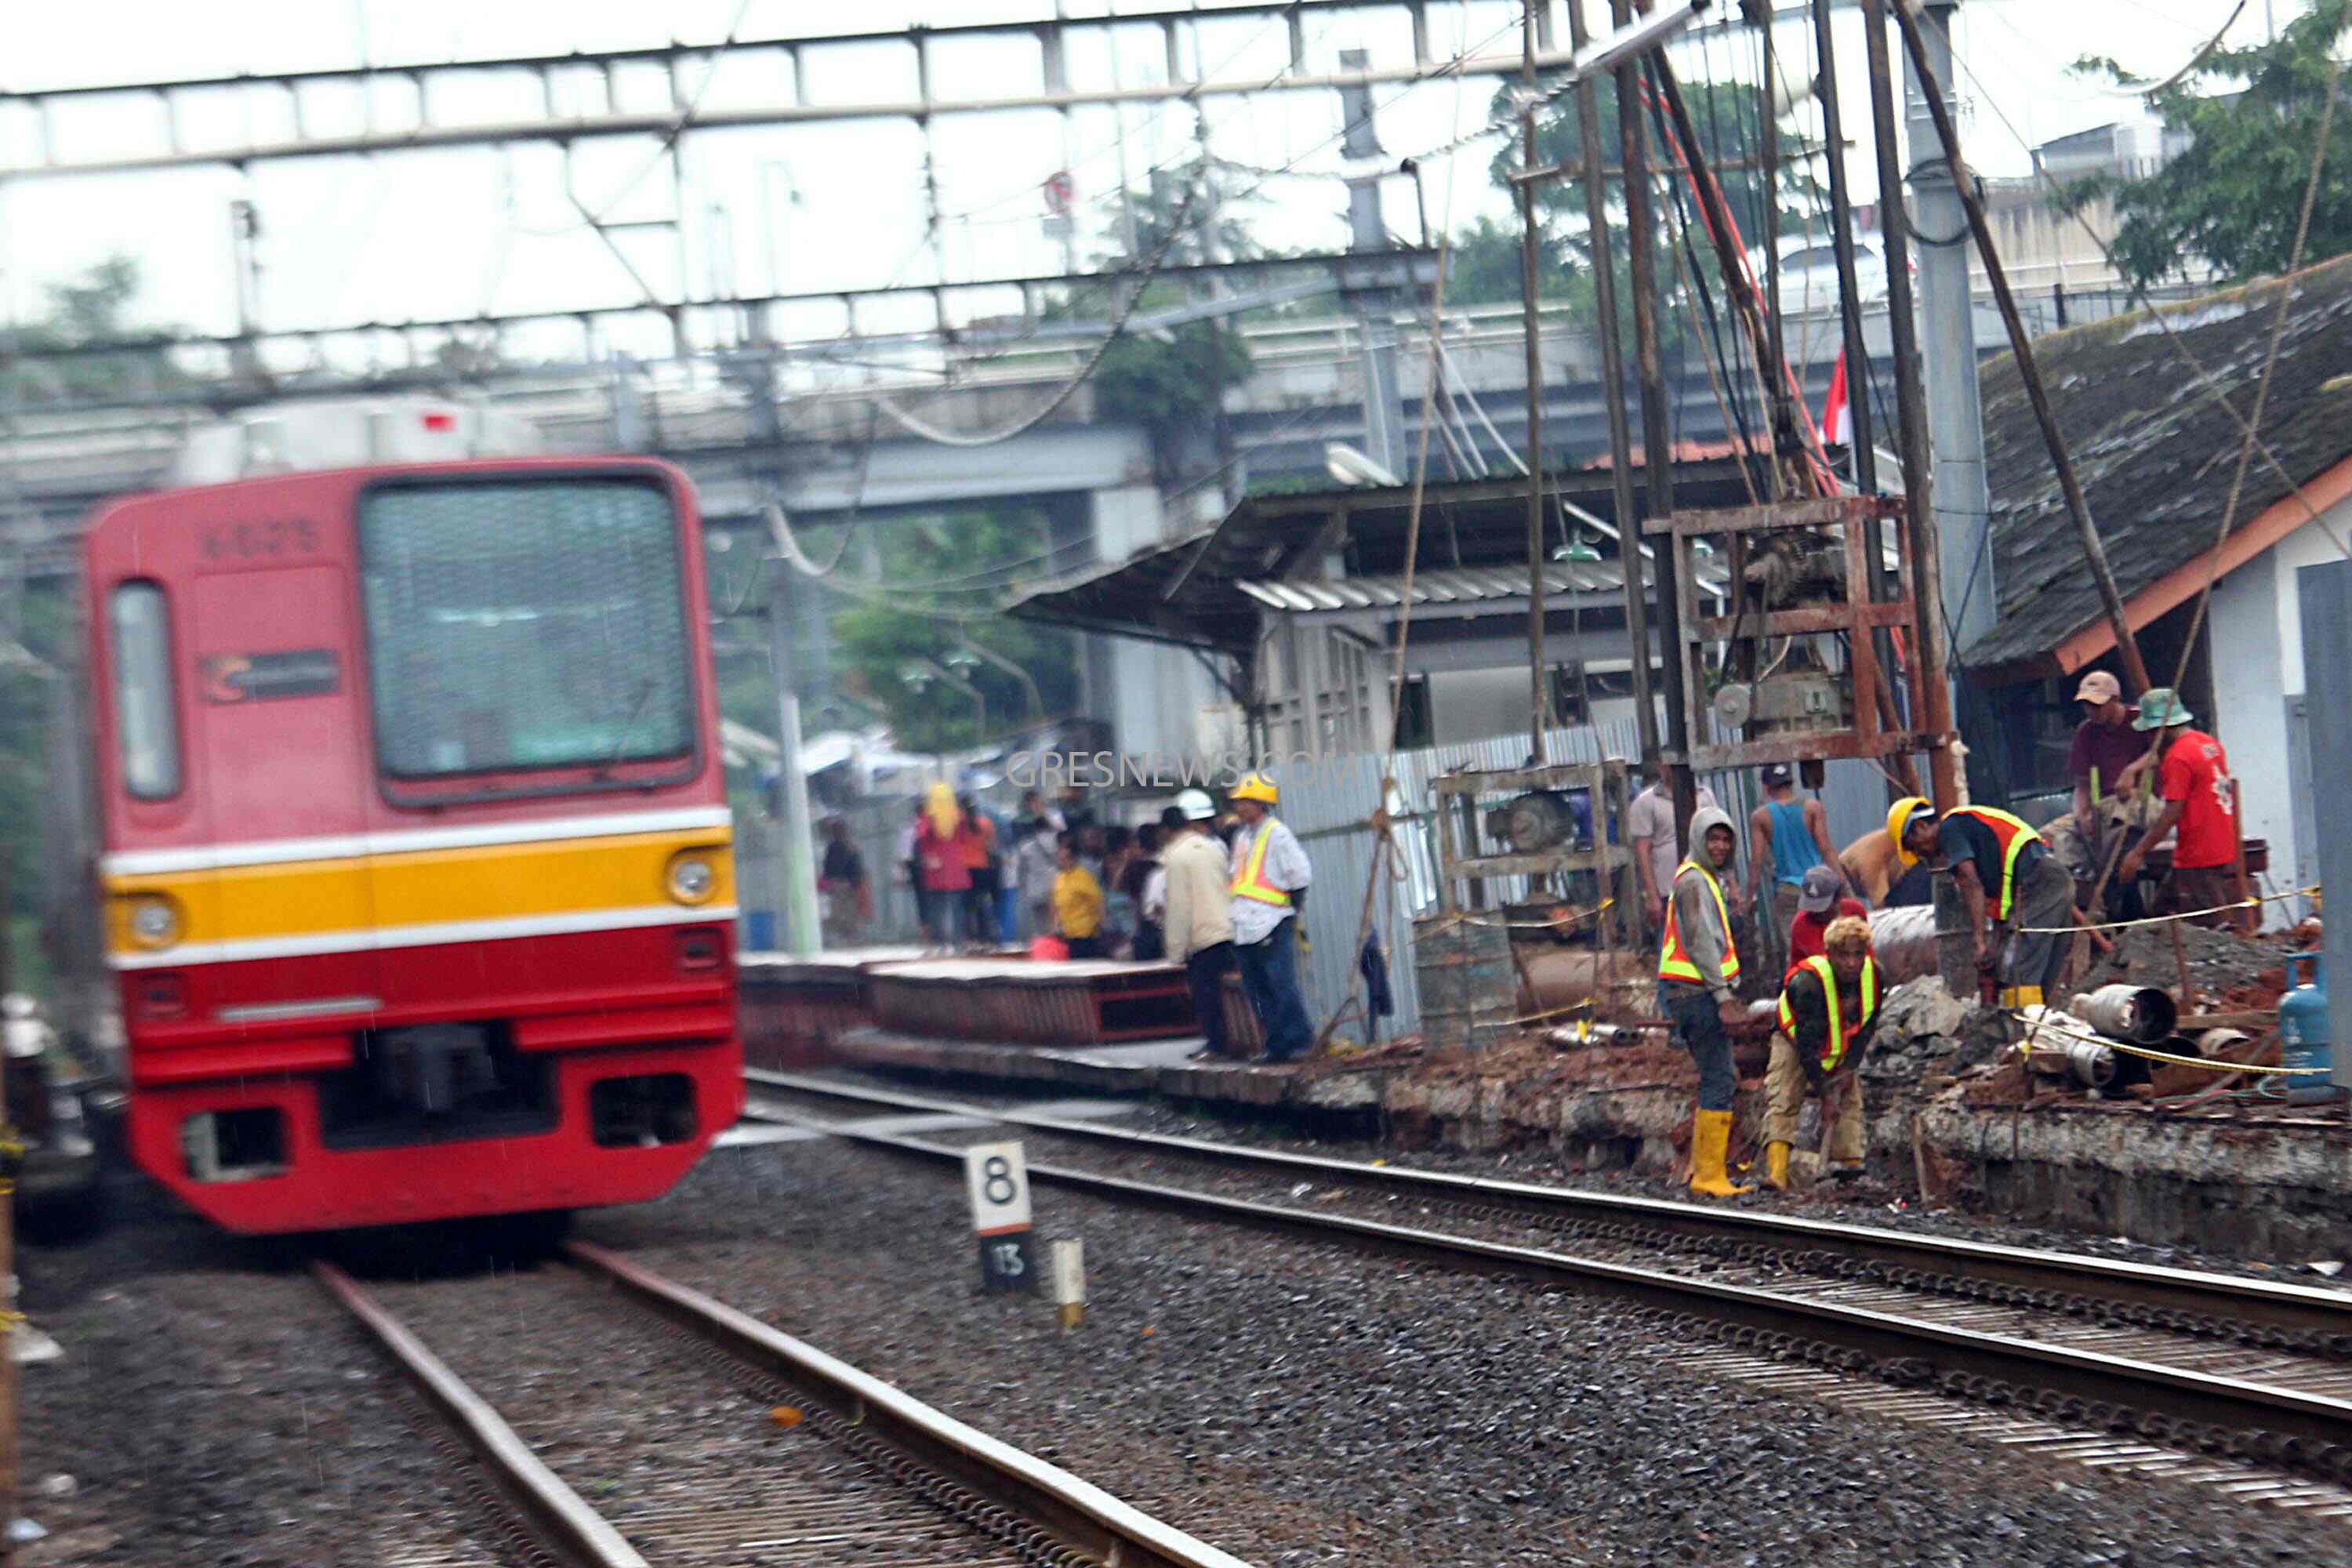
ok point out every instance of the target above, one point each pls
(1151, 946)
(1204, 971)
(1698, 1030)
(1270, 975)
(1007, 925)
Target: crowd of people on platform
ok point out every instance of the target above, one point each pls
(1213, 894)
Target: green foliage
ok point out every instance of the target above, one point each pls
(1485, 264)
(94, 308)
(38, 621)
(1169, 384)
(928, 566)
(2232, 198)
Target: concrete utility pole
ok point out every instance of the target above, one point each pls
(2324, 594)
(1384, 438)
(1947, 348)
(796, 840)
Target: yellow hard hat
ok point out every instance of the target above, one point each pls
(1257, 787)
(1898, 817)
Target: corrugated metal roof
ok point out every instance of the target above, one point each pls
(1451, 586)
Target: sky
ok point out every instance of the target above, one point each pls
(428, 234)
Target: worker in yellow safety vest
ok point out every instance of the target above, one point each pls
(1829, 1008)
(2015, 889)
(1696, 965)
(1270, 874)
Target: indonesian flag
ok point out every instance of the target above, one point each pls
(1837, 414)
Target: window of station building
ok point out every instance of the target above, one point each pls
(146, 718)
(524, 624)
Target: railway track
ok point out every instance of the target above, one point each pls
(711, 1438)
(2193, 1362)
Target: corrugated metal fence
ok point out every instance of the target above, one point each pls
(1331, 809)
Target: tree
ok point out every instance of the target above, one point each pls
(1725, 118)
(1170, 382)
(941, 575)
(93, 310)
(2251, 119)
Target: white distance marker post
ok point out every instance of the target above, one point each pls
(997, 1177)
(1069, 1261)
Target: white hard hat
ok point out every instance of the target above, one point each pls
(17, 1004)
(1196, 805)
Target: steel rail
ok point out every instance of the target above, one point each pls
(554, 1508)
(2284, 1424)
(1081, 1514)
(2288, 1309)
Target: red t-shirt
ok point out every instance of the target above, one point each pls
(1805, 933)
(2196, 770)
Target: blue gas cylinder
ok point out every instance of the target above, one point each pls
(2303, 1031)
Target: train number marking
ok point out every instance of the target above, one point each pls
(261, 540)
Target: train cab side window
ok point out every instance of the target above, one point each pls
(146, 717)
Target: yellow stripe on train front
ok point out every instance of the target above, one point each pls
(431, 887)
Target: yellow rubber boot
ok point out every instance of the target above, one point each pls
(1710, 1137)
(1776, 1166)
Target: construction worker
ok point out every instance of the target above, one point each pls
(1828, 1004)
(1696, 965)
(2011, 883)
(1789, 836)
(1270, 873)
(2201, 799)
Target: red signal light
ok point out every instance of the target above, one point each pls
(441, 421)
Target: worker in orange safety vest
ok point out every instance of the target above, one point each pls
(1270, 874)
(1829, 1008)
(1697, 963)
(2017, 892)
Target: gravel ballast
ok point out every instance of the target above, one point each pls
(215, 1410)
(1299, 1402)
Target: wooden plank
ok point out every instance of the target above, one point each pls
(1599, 858)
(1802, 622)
(1523, 780)
(1817, 513)
(1805, 747)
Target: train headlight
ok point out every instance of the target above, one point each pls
(692, 879)
(154, 922)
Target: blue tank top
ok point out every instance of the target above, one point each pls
(1794, 852)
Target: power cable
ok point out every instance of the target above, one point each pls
(2139, 298)
(590, 218)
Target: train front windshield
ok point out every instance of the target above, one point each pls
(524, 625)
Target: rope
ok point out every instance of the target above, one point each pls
(2165, 920)
(1471, 918)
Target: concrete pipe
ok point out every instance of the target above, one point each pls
(2088, 1062)
(1903, 942)
(2214, 1042)
(1620, 985)
(2141, 1014)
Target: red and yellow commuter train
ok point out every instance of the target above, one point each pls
(415, 854)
